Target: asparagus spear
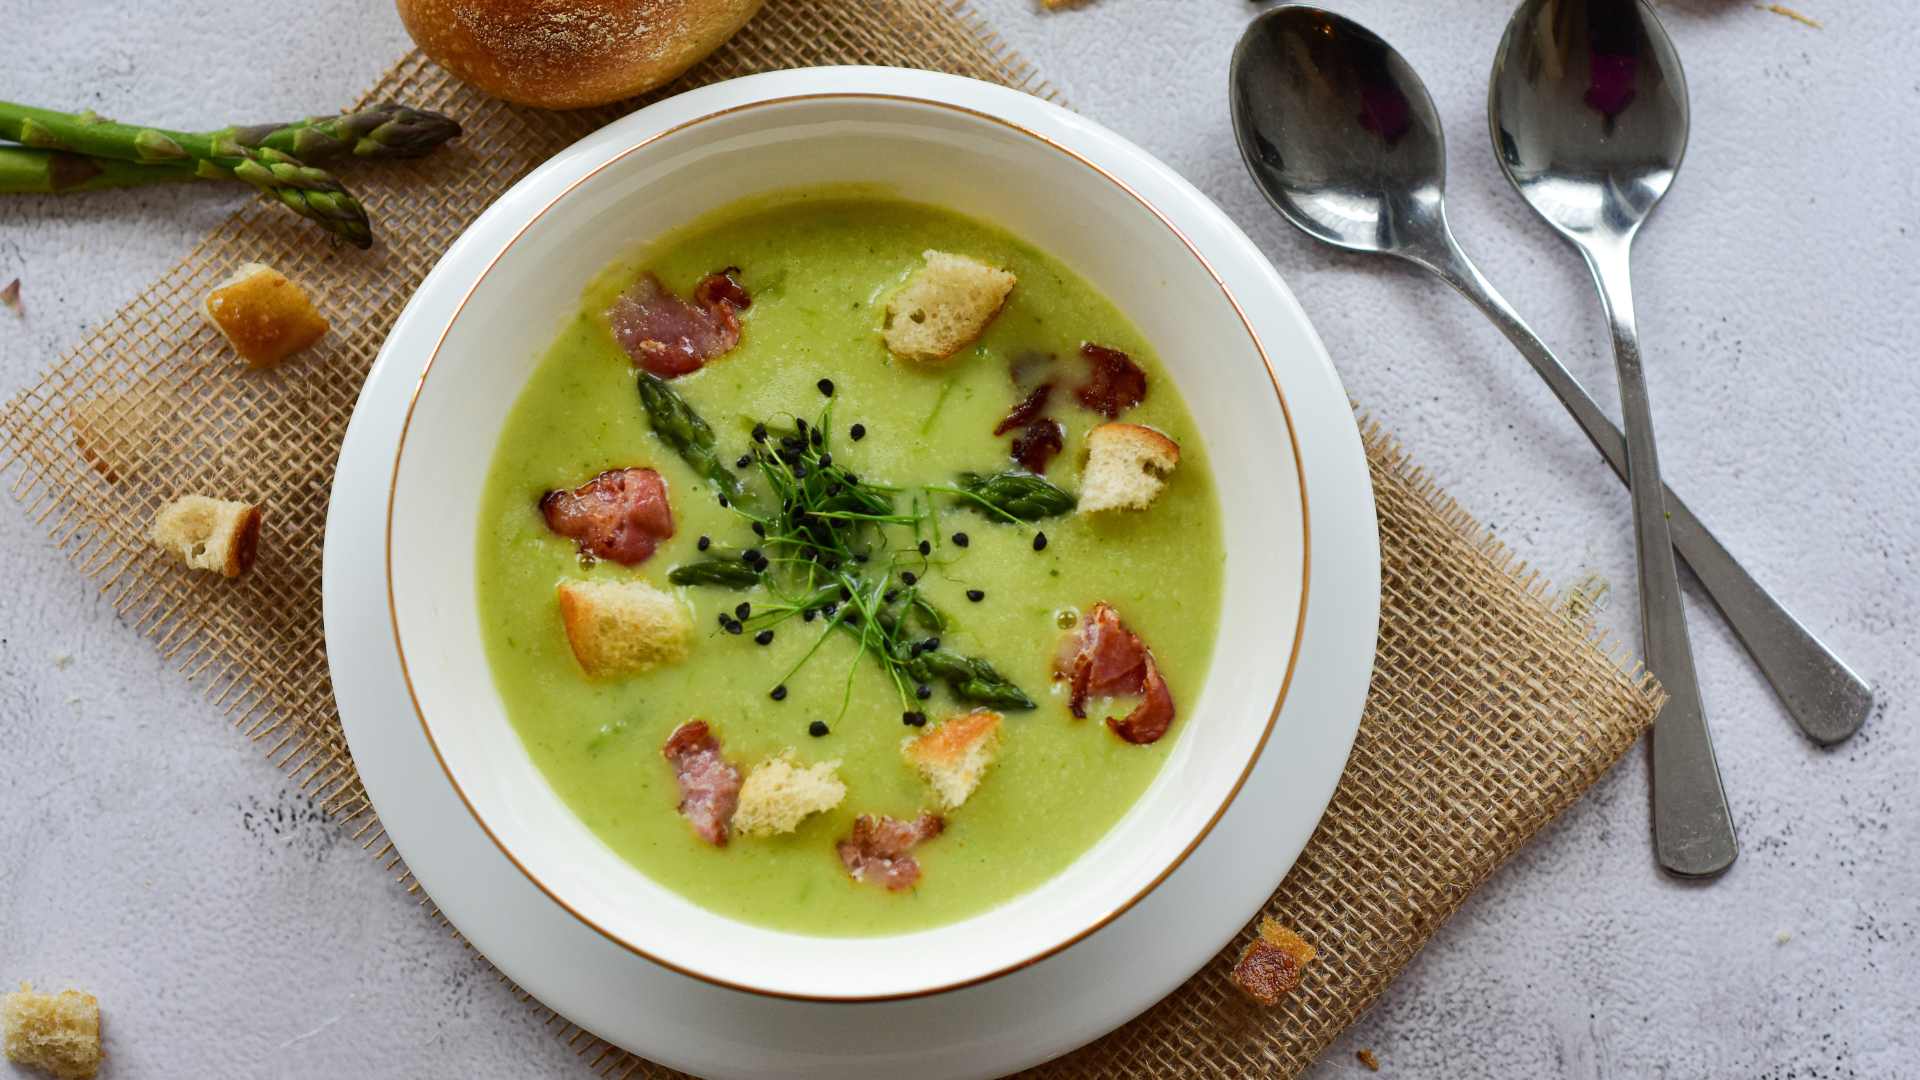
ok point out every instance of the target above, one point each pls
(305, 190)
(1015, 493)
(685, 432)
(24, 170)
(379, 131)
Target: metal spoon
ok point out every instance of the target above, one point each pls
(1588, 108)
(1341, 136)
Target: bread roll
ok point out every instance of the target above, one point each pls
(568, 54)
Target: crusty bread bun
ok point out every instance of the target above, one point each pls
(568, 54)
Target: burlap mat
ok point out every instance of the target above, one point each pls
(1488, 713)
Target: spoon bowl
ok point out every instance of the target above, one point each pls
(1339, 132)
(1588, 110)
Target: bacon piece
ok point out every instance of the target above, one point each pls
(1036, 445)
(620, 514)
(877, 850)
(1153, 716)
(709, 786)
(1116, 383)
(1027, 411)
(669, 336)
(1105, 659)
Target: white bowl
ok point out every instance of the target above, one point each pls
(1145, 238)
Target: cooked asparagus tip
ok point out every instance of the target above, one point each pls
(684, 432)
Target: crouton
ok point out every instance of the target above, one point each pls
(116, 431)
(1127, 467)
(954, 756)
(945, 305)
(209, 534)
(623, 627)
(264, 316)
(1271, 966)
(58, 1033)
(779, 794)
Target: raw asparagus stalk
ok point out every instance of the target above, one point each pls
(378, 131)
(24, 170)
(307, 191)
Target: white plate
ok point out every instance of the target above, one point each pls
(1019, 1018)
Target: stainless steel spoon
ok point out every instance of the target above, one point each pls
(1588, 108)
(1341, 136)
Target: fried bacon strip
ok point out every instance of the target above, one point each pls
(619, 515)
(669, 336)
(1105, 659)
(709, 786)
(878, 848)
(1115, 383)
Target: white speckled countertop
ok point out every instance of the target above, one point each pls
(150, 855)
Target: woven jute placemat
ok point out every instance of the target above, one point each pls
(1488, 713)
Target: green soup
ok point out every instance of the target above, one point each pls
(819, 267)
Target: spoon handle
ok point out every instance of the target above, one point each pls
(1825, 697)
(1692, 827)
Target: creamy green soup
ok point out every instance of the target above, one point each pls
(819, 267)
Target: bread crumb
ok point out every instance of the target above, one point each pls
(1366, 1058)
(953, 756)
(1782, 9)
(946, 304)
(1783, 937)
(62, 661)
(263, 315)
(1127, 467)
(56, 1033)
(1271, 966)
(778, 794)
(10, 296)
(220, 535)
(623, 627)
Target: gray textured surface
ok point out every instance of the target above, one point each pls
(151, 856)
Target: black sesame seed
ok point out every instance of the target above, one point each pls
(890, 595)
(778, 693)
(759, 529)
(961, 540)
(853, 618)
(826, 386)
(788, 442)
(830, 609)
(826, 461)
(799, 425)
(1039, 541)
(704, 543)
(799, 470)
(750, 556)
(817, 728)
(845, 593)
(742, 610)
(851, 479)
(764, 637)
(926, 548)
(807, 615)
(734, 627)
(923, 691)
(744, 461)
(976, 595)
(913, 719)
(759, 433)
(930, 645)
(725, 619)
(908, 577)
(858, 432)
(724, 503)
(817, 438)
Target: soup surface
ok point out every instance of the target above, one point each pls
(819, 267)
